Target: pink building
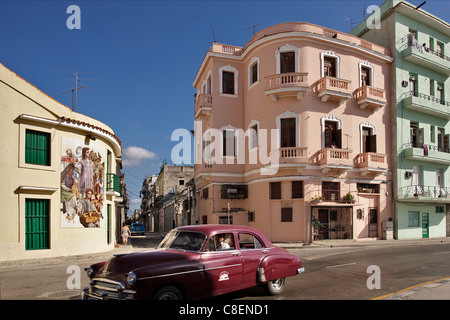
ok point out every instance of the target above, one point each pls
(293, 134)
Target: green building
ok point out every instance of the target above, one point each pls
(420, 98)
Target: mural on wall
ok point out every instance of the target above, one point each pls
(82, 190)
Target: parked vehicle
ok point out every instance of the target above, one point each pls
(194, 262)
(137, 228)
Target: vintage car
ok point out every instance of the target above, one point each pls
(195, 262)
(137, 228)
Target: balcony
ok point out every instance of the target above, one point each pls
(293, 157)
(370, 162)
(293, 84)
(332, 158)
(422, 193)
(113, 186)
(427, 104)
(370, 97)
(425, 57)
(333, 89)
(425, 153)
(203, 105)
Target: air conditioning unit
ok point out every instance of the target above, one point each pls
(404, 84)
(408, 174)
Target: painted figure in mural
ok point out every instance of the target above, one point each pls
(87, 172)
(69, 191)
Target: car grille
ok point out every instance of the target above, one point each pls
(109, 289)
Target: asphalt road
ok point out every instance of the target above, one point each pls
(331, 273)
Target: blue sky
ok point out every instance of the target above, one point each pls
(138, 59)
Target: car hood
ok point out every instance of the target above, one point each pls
(124, 263)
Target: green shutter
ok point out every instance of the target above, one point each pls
(108, 222)
(37, 224)
(37, 147)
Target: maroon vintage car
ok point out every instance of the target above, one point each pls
(194, 262)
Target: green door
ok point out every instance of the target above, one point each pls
(37, 224)
(425, 225)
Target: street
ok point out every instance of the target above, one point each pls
(339, 273)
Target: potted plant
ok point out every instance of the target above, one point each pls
(317, 199)
(349, 198)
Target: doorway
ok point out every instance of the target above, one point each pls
(332, 222)
(425, 225)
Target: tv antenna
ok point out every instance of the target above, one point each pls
(352, 22)
(254, 28)
(78, 86)
(214, 37)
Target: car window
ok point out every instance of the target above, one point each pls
(219, 242)
(183, 240)
(249, 241)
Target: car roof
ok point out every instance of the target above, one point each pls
(209, 229)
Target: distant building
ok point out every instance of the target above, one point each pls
(295, 134)
(172, 193)
(61, 190)
(419, 42)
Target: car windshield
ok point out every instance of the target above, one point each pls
(183, 240)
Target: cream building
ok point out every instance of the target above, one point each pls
(312, 99)
(60, 176)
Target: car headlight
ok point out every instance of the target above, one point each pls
(89, 272)
(131, 278)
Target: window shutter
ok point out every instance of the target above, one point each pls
(286, 214)
(297, 189)
(446, 143)
(275, 190)
(371, 143)
(337, 138)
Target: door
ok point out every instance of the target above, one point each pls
(252, 250)
(425, 225)
(223, 263)
(373, 223)
(329, 67)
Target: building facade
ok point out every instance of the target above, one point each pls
(61, 189)
(420, 74)
(292, 134)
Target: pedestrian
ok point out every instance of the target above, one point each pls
(125, 234)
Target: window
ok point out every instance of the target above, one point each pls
(254, 73)
(413, 218)
(365, 76)
(440, 93)
(234, 191)
(229, 146)
(329, 67)
(249, 241)
(297, 189)
(228, 82)
(205, 193)
(369, 140)
(333, 135)
(330, 191)
(286, 214)
(253, 136)
(275, 190)
(181, 182)
(416, 135)
(413, 84)
(287, 62)
(37, 147)
(288, 132)
(37, 224)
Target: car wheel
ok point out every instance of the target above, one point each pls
(168, 293)
(275, 287)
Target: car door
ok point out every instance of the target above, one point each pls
(252, 249)
(223, 267)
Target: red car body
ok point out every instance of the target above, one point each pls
(191, 263)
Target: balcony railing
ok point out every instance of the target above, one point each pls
(414, 52)
(424, 192)
(370, 159)
(203, 105)
(287, 84)
(368, 96)
(329, 158)
(113, 183)
(293, 155)
(330, 88)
